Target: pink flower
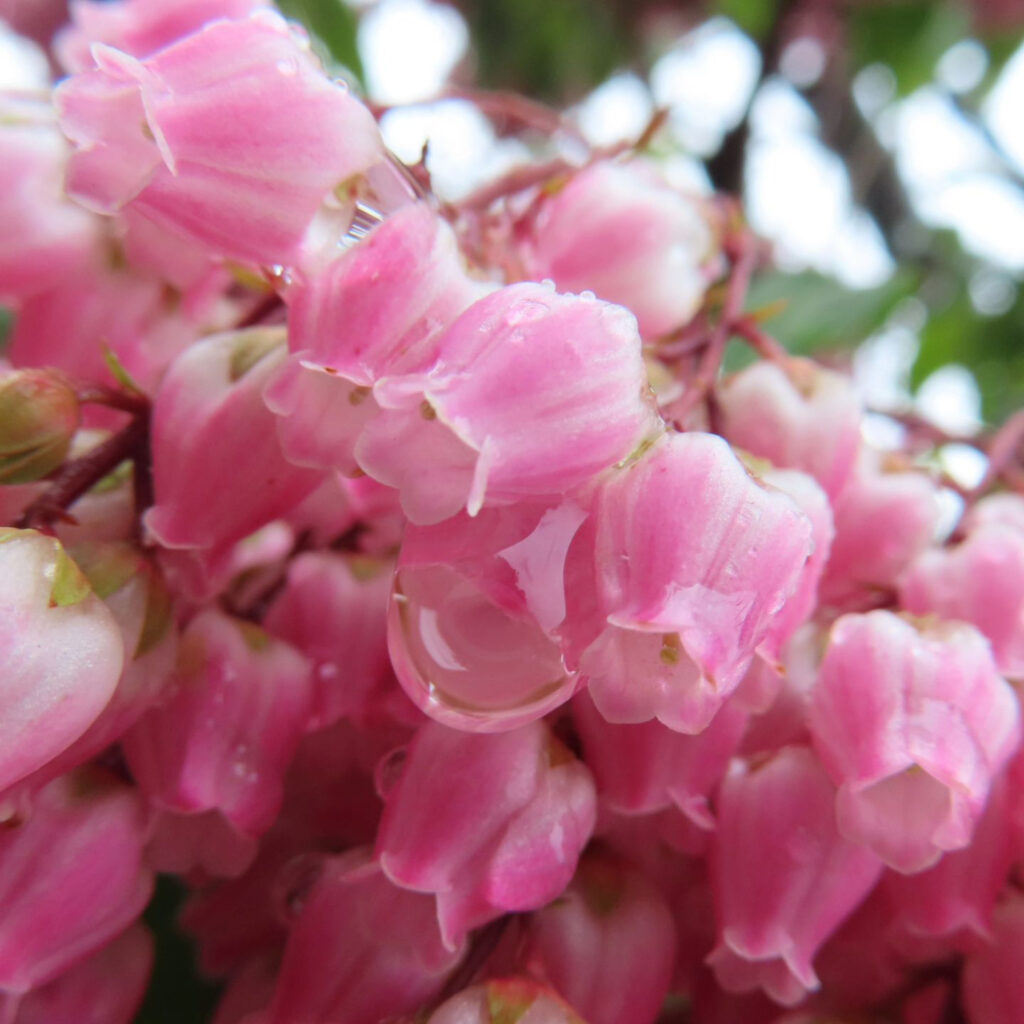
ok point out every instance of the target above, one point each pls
(232, 723)
(693, 558)
(620, 231)
(784, 877)
(490, 824)
(505, 999)
(913, 722)
(608, 944)
(531, 394)
(71, 877)
(61, 655)
(993, 983)
(360, 949)
(218, 470)
(798, 416)
(105, 987)
(233, 136)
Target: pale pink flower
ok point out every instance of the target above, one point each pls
(797, 416)
(913, 722)
(61, 655)
(233, 136)
(138, 27)
(620, 231)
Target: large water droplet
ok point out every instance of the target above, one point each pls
(464, 660)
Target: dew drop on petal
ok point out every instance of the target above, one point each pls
(466, 661)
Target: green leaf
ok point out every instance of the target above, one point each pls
(6, 326)
(70, 586)
(334, 24)
(988, 346)
(817, 312)
(554, 51)
(755, 17)
(177, 993)
(909, 37)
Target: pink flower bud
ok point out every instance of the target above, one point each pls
(531, 395)
(232, 136)
(474, 604)
(693, 559)
(238, 707)
(360, 949)
(980, 581)
(784, 878)
(607, 944)
(620, 231)
(38, 418)
(71, 877)
(490, 824)
(104, 988)
(913, 723)
(218, 470)
(61, 654)
(505, 999)
(797, 416)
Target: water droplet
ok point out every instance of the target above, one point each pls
(389, 771)
(458, 654)
(294, 883)
(289, 66)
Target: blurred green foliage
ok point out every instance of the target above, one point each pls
(333, 25)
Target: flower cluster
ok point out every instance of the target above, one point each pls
(408, 580)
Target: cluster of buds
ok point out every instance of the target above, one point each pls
(407, 579)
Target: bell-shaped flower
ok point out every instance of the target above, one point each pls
(360, 949)
(61, 654)
(643, 768)
(237, 709)
(608, 944)
(913, 722)
(694, 557)
(522, 1000)
(531, 394)
(233, 136)
(373, 309)
(797, 416)
(71, 876)
(333, 610)
(490, 824)
(105, 988)
(218, 470)
(622, 232)
(980, 581)
(784, 878)
(474, 606)
(133, 590)
(138, 27)
(885, 517)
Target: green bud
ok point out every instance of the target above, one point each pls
(251, 346)
(38, 418)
